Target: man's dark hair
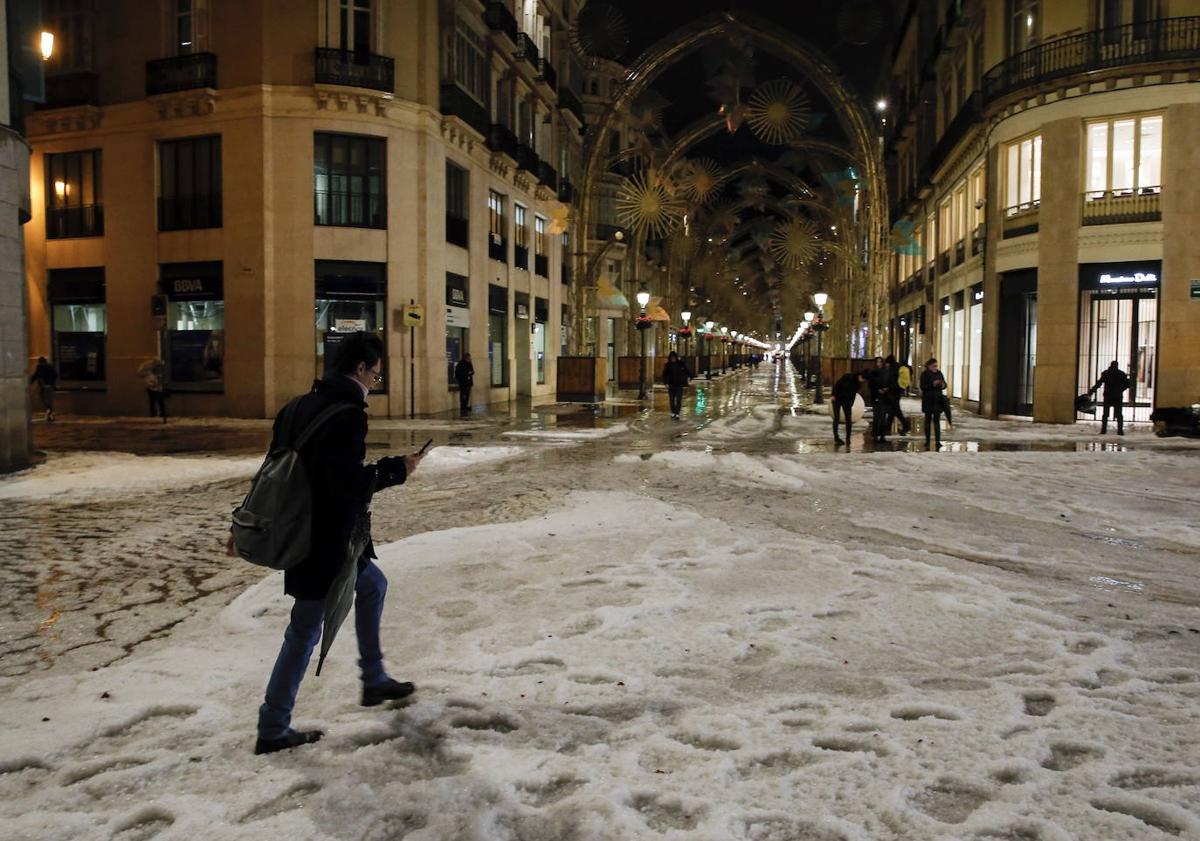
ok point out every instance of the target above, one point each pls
(672, 354)
(355, 348)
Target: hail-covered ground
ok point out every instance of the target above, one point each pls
(713, 629)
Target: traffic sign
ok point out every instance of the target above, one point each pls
(414, 315)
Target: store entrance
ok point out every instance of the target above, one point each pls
(1120, 325)
(1017, 362)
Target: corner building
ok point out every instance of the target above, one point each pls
(236, 185)
(1044, 166)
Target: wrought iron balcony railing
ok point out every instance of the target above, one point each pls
(1113, 207)
(181, 213)
(1021, 219)
(355, 69)
(499, 18)
(568, 100)
(456, 102)
(346, 209)
(527, 49)
(546, 175)
(547, 74)
(527, 159)
(86, 220)
(181, 73)
(500, 138)
(1119, 46)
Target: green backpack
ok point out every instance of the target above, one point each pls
(273, 525)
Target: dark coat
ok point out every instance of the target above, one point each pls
(45, 374)
(464, 373)
(932, 386)
(341, 484)
(846, 388)
(676, 375)
(877, 380)
(1115, 382)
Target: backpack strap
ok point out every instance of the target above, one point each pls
(320, 420)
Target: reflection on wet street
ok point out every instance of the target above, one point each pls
(90, 576)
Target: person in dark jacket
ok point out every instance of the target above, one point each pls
(464, 375)
(1115, 383)
(878, 379)
(46, 379)
(675, 375)
(893, 394)
(932, 386)
(341, 491)
(844, 392)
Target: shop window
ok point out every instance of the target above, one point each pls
(456, 205)
(350, 297)
(1023, 175)
(497, 243)
(78, 324)
(958, 370)
(458, 323)
(975, 353)
(73, 206)
(195, 335)
(349, 180)
(520, 237)
(541, 318)
(498, 335)
(189, 183)
(1124, 157)
(541, 247)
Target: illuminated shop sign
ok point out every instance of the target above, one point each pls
(1136, 277)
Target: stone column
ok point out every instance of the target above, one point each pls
(16, 443)
(1179, 315)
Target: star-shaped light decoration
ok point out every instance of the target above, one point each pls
(700, 179)
(795, 243)
(600, 31)
(778, 111)
(646, 206)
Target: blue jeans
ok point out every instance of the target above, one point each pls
(301, 637)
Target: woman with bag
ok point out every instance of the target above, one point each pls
(933, 384)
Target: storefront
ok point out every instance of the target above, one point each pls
(195, 334)
(1118, 321)
(541, 322)
(350, 297)
(1017, 358)
(458, 323)
(78, 324)
(975, 345)
(498, 335)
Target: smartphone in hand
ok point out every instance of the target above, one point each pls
(421, 451)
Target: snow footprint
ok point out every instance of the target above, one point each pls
(1085, 646)
(784, 828)
(850, 744)
(142, 825)
(455, 608)
(914, 712)
(485, 722)
(664, 814)
(1039, 703)
(89, 770)
(949, 801)
(775, 764)
(1162, 816)
(1149, 777)
(539, 794)
(1067, 755)
(702, 741)
(290, 798)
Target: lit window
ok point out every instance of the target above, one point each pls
(1023, 177)
(1124, 156)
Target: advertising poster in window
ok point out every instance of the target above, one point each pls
(80, 356)
(196, 356)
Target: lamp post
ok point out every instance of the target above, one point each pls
(643, 323)
(805, 335)
(819, 326)
(687, 331)
(708, 326)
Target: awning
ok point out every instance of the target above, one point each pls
(608, 297)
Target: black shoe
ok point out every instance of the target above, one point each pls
(290, 739)
(837, 442)
(389, 690)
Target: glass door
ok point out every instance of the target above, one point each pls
(1121, 328)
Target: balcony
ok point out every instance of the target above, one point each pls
(183, 213)
(944, 262)
(566, 191)
(1021, 219)
(1168, 39)
(1114, 207)
(960, 252)
(521, 257)
(457, 230)
(527, 50)
(541, 265)
(355, 69)
(568, 101)
(85, 220)
(501, 139)
(70, 89)
(547, 74)
(546, 175)
(181, 73)
(527, 159)
(499, 19)
(497, 246)
(456, 102)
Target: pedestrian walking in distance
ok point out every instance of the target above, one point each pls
(1115, 382)
(894, 392)
(153, 374)
(675, 375)
(464, 375)
(844, 392)
(932, 386)
(341, 491)
(46, 379)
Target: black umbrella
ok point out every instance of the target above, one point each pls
(340, 597)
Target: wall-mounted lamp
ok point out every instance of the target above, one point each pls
(46, 45)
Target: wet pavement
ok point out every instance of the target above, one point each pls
(88, 579)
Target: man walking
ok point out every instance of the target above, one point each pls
(46, 379)
(932, 386)
(676, 376)
(153, 374)
(341, 491)
(464, 375)
(844, 392)
(877, 380)
(1115, 382)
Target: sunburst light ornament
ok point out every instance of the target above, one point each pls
(795, 243)
(778, 111)
(646, 205)
(701, 180)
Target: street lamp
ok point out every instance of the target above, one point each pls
(708, 326)
(643, 323)
(687, 331)
(819, 326)
(724, 347)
